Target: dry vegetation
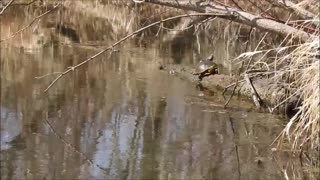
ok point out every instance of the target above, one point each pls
(301, 75)
(295, 67)
(297, 71)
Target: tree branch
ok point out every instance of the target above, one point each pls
(2, 11)
(120, 41)
(34, 20)
(288, 5)
(236, 16)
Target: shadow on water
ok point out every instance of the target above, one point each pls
(123, 118)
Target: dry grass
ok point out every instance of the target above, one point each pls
(295, 67)
(302, 73)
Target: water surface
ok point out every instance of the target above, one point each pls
(123, 118)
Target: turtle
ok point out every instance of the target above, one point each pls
(206, 67)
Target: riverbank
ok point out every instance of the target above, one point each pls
(270, 94)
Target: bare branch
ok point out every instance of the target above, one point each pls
(237, 16)
(288, 5)
(285, 100)
(34, 20)
(2, 11)
(40, 77)
(234, 88)
(120, 41)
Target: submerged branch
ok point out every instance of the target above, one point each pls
(67, 144)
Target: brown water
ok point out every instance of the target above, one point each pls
(123, 118)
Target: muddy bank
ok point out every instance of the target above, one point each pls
(270, 94)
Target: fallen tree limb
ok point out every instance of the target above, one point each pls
(236, 16)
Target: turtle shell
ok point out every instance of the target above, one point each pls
(204, 65)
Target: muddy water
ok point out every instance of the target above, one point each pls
(123, 118)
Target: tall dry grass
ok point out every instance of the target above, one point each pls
(295, 67)
(303, 129)
(302, 75)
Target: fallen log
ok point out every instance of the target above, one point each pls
(236, 15)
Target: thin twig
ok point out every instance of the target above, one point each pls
(249, 38)
(259, 7)
(2, 11)
(185, 28)
(236, 83)
(120, 41)
(169, 29)
(280, 48)
(34, 20)
(197, 27)
(248, 65)
(238, 6)
(159, 29)
(183, 9)
(235, 145)
(234, 88)
(285, 100)
(254, 73)
(39, 77)
(230, 85)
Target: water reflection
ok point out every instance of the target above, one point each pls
(122, 118)
(10, 127)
